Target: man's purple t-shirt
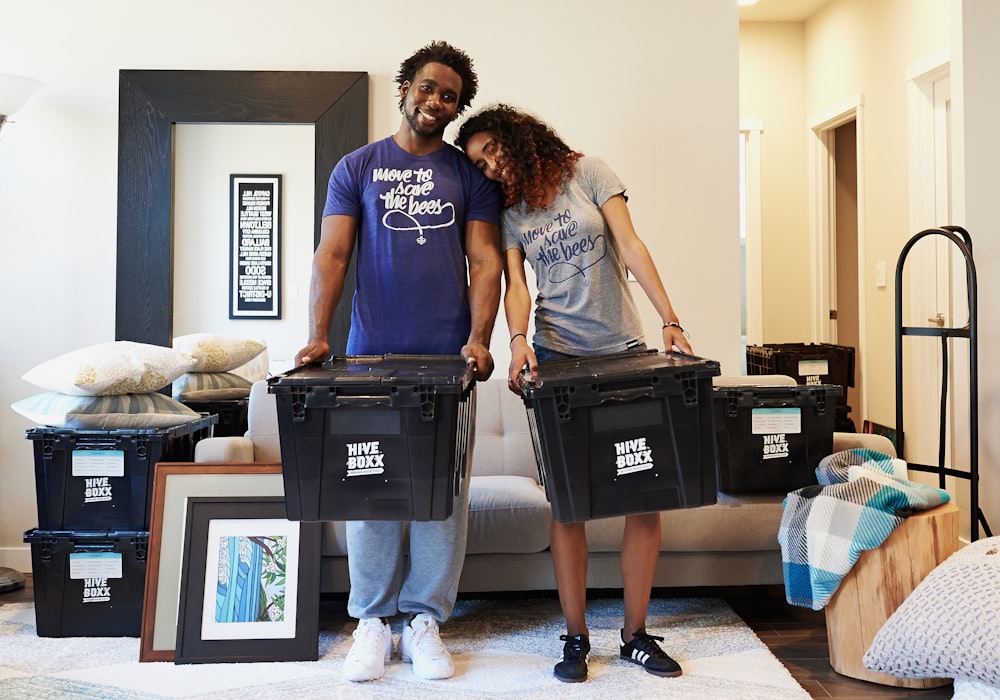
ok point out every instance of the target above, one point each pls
(412, 291)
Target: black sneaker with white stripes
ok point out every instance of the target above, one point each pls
(573, 666)
(644, 650)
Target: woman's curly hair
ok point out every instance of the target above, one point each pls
(531, 153)
(446, 54)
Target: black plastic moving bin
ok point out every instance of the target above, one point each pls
(232, 413)
(102, 479)
(771, 438)
(806, 363)
(622, 434)
(88, 583)
(375, 437)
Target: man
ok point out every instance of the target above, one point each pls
(424, 223)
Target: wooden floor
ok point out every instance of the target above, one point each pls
(797, 636)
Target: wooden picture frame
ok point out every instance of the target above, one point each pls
(173, 483)
(271, 612)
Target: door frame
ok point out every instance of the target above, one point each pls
(943, 259)
(753, 272)
(823, 226)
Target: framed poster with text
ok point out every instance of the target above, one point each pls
(254, 246)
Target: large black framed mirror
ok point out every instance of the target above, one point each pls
(151, 102)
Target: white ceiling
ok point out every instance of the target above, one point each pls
(781, 10)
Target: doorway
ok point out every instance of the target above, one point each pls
(837, 244)
(845, 235)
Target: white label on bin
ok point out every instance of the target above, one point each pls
(814, 368)
(633, 456)
(95, 565)
(364, 458)
(98, 463)
(766, 421)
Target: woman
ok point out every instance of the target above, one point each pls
(566, 214)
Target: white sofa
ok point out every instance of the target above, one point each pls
(731, 543)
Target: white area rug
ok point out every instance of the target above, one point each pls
(502, 648)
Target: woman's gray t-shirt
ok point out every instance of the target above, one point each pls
(584, 305)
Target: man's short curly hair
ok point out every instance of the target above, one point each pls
(446, 54)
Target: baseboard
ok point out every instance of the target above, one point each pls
(17, 558)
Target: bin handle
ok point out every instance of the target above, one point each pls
(363, 401)
(630, 393)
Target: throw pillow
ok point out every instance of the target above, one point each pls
(118, 367)
(217, 353)
(210, 386)
(118, 412)
(949, 626)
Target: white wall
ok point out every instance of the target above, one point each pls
(205, 156)
(651, 87)
(976, 114)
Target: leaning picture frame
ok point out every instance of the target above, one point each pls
(249, 583)
(173, 484)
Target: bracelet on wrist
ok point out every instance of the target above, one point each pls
(515, 336)
(675, 324)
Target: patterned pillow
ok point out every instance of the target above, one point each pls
(119, 367)
(949, 626)
(211, 386)
(217, 353)
(118, 412)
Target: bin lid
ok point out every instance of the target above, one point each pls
(42, 432)
(377, 370)
(751, 391)
(83, 536)
(618, 367)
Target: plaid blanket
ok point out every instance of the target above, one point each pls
(859, 501)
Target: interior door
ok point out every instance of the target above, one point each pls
(936, 283)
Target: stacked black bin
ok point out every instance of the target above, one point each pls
(88, 554)
(811, 364)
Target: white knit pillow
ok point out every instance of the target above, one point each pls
(949, 626)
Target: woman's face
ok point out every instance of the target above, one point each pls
(484, 152)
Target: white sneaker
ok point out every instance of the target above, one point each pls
(420, 644)
(371, 649)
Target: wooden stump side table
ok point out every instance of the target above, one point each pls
(879, 582)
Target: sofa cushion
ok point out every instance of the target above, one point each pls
(507, 515)
(745, 522)
(262, 424)
(503, 440)
(334, 539)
